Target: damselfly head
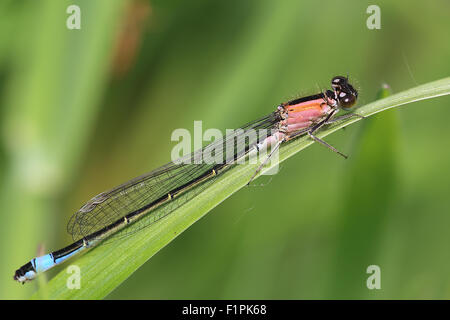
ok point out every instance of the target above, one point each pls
(345, 94)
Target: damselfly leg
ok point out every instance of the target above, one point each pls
(344, 117)
(274, 149)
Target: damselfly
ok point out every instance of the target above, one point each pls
(121, 209)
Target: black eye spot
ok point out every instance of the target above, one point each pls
(339, 80)
(347, 102)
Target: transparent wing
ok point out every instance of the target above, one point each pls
(107, 207)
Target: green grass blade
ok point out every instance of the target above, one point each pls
(107, 266)
(362, 217)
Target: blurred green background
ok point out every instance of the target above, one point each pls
(82, 111)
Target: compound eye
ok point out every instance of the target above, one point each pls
(335, 80)
(338, 82)
(346, 101)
